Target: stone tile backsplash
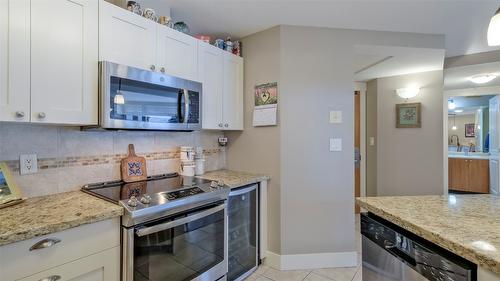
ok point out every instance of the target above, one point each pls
(69, 158)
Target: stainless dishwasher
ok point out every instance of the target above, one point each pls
(243, 220)
(393, 254)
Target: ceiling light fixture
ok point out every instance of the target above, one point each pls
(409, 92)
(454, 128)
(482, 78)
(451, 104)
(494, 30)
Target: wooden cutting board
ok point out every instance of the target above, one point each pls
(133, 167)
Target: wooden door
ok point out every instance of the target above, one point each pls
(458, 174)
(357, 146)
(478, 176)
(177, 53)
(210, 71)
(232, 102)
(126, 38)
(15, 60)
(64, 55)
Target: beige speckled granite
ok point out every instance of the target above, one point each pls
(467, 225)
(53, 213)
(233, 178)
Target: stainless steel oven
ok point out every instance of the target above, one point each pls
(191, 245)
(138, 99)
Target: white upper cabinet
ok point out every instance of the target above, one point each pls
(177, 53)
(15, 60)
(64, 67)
(126, 38)
(233, 92)
(221, 74)
(210, 62)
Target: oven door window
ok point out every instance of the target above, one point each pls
(138, 101)
(180, 253)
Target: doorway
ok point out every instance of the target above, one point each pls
(357, 147)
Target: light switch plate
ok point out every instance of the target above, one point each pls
(372, 141)
(335, 116)
(335, 144)
(28, 164)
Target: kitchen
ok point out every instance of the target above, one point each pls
(132, 150)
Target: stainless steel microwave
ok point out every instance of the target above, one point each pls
(138, 99)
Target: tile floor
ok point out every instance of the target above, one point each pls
(267, 273)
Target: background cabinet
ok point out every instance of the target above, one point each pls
(51, 75)
(222, 76)
(468, 175)
(177, 53)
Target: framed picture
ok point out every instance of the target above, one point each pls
(470, 130)
(408, 115)
(9, 192)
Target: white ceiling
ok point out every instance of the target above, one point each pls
(456, 78)
(464, 22)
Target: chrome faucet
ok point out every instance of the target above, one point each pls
(458, 141)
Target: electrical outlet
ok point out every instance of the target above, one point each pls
(28, 164)
(335, 144)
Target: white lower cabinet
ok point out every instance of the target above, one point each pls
(80, 253)
(221, 74)
(98, 267)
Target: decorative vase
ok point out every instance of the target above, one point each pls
(182, 27)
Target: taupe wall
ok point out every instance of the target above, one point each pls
(371, 131)
(410, 161)
(257, 149)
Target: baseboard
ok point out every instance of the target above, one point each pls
(311, 261)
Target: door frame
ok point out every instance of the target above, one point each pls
(480, 91)
(361, 87)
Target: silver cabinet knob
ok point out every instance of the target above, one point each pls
(162, 70)
(51, 278)
(19, 114)
(226, 125)
(45, 243)
(153, 67)
(42, 115)
(132, 202)
(146, 199)
(220, 125)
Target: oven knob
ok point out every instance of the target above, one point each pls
(145, 199)
(220, 183)
(132, 202)
(214, 184)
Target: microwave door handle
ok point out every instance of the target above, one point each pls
(168, 225)
(179, 107)
(186, 105)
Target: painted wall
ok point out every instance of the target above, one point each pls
(371, 131)
(257, 149)
(460, 121)
(69, 158)
(410, 161)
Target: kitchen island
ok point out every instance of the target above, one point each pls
(466, 225)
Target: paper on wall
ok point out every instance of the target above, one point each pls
(266, 105)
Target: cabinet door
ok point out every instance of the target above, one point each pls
(15, 60)
(64, 68)
(126, 38)
(104, 266)
(211, 75)
(177, 53)
(478, 176)
(457, 174)
(233, 92)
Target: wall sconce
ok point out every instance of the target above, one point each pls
(494, 30)
(408, 93)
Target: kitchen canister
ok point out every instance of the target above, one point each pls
(199, 166)
(187, 153)
(188, 168)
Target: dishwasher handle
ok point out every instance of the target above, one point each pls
(242, 191)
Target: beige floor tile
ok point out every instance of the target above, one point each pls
(315, 277)
(261, 269)
(286, 275)
(257, 277)
(337, 274)
(358, 276)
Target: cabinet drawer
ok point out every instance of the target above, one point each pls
(17, 260)
(103, 266)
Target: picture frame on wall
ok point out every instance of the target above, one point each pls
(408, 115)
(9, 192)
(470, 130)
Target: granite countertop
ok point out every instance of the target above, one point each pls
(48, 214)
(233, 178)
(480, 156)
(467, 225)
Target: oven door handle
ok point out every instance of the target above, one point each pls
(168, 225)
